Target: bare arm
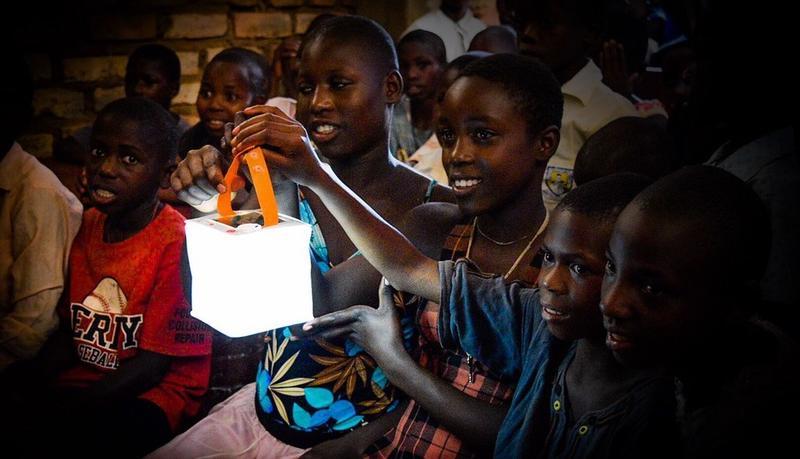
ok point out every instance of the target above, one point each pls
(378, 332)
(287, 148)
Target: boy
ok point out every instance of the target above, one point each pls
(572, 399)
(130, 364)
(39, 218)
(628, 144)
(422, 62)
(234, 79)
(153, 71)
(680, 289)
(564, 34)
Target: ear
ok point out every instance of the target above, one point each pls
(168, 170)
(546, 143)
(393, 87)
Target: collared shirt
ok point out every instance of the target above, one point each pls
(770, 166)
(455, 35)
(588, 106)
(39, 218)
(501, 326)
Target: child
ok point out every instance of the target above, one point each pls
(498, 126)
(573, 399)
(39, 218)
(422, 62)
(454, 22)
(347, 84)
(495, 39)
(681, 284)
(564, 34)
(140, 363)
(428, 158)
(629, 144)
(234, 79)
(153, 71)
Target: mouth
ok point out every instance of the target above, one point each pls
(465, 186)
(215, 125)
(551, 314)
(322, 132)
(616, 341)
(102, 196)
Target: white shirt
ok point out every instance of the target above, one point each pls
(455, 35)
(588, 106)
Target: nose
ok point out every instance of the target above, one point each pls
(413, 72)
(553, 281)
(615, 301)
(140, 89)
(461, 153)
(108, 166)
(321, 100)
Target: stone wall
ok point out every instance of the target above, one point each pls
(77, 50)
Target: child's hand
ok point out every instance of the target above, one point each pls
(285, 142)
(377, 331)
(199, 176)
(615, 68)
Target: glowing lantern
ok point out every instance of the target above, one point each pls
(248, 277)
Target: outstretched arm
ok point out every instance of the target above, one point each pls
(377, 331)
(287, 148)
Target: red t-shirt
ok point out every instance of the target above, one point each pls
(128, 296)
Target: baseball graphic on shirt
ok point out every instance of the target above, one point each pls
(107, 297)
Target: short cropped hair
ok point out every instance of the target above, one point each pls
(628, 144)
(154, 52)
(258, 72)
(722, 209)
(530, 85)
(368, 34)
(604, 198)
(157, 127)
(430, 40)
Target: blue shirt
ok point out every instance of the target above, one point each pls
(500, 325)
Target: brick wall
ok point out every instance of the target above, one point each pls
(78, 50)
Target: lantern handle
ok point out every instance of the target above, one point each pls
(259, 173)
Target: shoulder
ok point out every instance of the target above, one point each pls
(41, 188)
(169, 226)
(428, 225)
(424, 22)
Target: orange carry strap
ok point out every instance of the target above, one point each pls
(259, 173)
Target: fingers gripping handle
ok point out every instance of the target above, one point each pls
(261, 182)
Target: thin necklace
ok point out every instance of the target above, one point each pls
(521, 255)
(495, 241)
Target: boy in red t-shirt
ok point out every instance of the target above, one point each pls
(139, 362)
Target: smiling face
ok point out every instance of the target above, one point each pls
(421, 71)
(123, 172)
(572, 273)
(658, 296)
(225, 90)
(486, 149)
(342, 98)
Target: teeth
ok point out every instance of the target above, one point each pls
(324, 129)
(104, 194)
(553, 312)
(462, 183)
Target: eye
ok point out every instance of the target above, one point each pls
(610, 268)
(305, 89)
(483, 135)
(130, 160)
(97, 152)
(446, 136)
(578, 269)
(548, 257)
(339, 84)
(231, 96)
(651, 289)
(206, 93)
